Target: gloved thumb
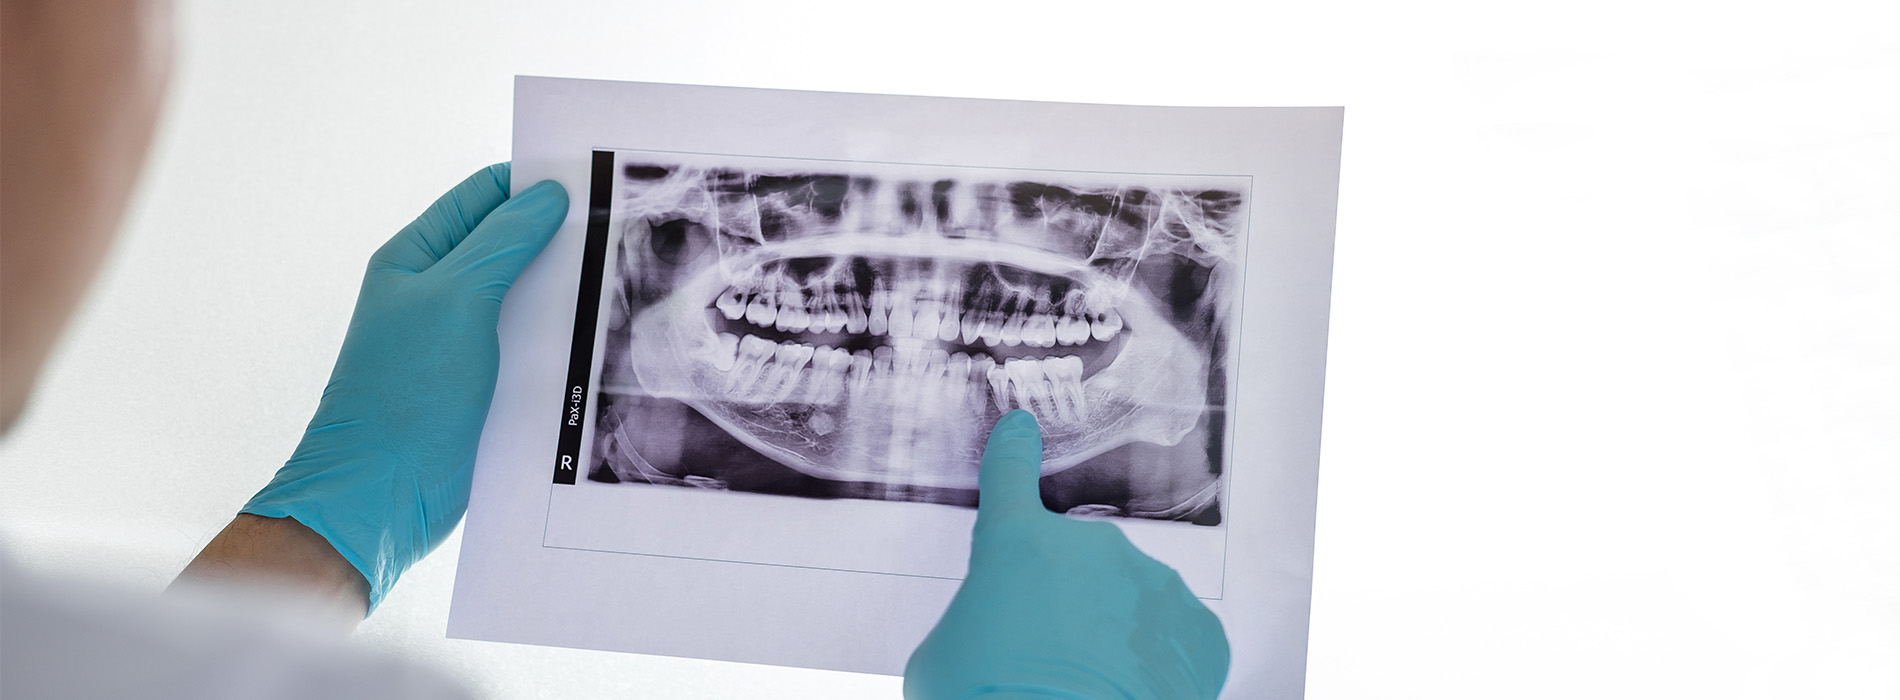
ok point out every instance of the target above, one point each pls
(508, 239)
(1012, 465)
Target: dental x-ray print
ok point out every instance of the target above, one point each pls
(832, 330)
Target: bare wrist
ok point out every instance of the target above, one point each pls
(283, 555)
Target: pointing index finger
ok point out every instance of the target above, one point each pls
(1012, 466)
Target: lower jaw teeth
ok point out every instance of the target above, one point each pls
(896, 377)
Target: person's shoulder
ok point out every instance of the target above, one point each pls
(62, 637)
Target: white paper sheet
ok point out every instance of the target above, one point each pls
(708, 451)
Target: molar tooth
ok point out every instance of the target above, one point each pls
(999, 388)
(1025, 382)
(788, 369)
(1065, 380)
(1106, 325)
(754, 346)
(991, 329)
(728, 353)
(793, 316)
(1042, 391)
(1080, 396)
(762, 311)
(731, 304)
(1072, 331)
(1012, 333)
(753, 353)
(1040, 331)
(801, 319)
(827, 375)
(760, 346)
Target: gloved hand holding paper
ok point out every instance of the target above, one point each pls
(383, 470)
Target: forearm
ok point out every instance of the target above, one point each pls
(283, 556)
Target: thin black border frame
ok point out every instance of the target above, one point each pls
(593, 262)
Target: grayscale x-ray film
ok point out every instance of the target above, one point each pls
(828, 329)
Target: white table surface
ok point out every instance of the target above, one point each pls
(1614, 396)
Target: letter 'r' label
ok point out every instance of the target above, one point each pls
(580, 360)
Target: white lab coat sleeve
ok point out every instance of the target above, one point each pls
(71, 639)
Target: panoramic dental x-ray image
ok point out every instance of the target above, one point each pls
(836, 330)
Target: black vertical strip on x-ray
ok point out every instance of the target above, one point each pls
(580, 360)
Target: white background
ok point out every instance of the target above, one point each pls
(1613, 405)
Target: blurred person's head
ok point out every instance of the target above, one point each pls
(80, 86)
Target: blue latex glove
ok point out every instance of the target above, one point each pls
(1061, 608)
(384, 468)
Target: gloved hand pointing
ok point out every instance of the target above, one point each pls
(1060, 608)
(384, 468)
